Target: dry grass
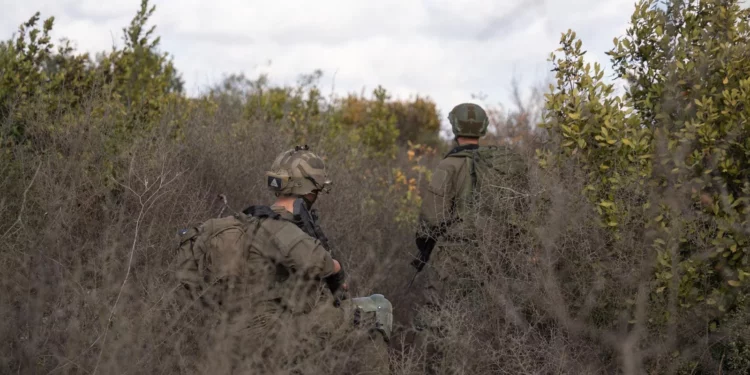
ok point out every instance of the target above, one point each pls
(87, 283)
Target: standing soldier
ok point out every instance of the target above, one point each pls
(266, 277)
(452, 194)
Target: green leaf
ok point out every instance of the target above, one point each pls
(606, 204)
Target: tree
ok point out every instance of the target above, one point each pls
(141, 77)
(417, 121)
(672, 153)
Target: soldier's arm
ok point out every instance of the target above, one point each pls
(436, 211)
(309, 256)
(315, 261)
(437, 203)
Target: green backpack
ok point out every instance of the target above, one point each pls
(497, 173)
(202, 247)
(198, 245)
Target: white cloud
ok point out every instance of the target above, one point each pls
(443, 49)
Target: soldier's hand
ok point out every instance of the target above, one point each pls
(425, 246)
(337, 280)
(338, 296)
(418, 263)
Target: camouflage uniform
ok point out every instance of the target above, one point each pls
(440, 220)
(365, 350)
(266, 277)
(441, 224)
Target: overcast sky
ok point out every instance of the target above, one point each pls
(443, 49)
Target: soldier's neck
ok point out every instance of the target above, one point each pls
(286, 202)
(462, 141)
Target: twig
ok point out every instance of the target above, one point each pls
(509, 189)
(145, 207)
(223, 199)
(23, 202)
(122, 286)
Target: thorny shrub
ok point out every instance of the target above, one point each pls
(598, 261)
(91, 286)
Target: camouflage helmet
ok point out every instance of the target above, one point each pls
(297, 171)
(468, 120)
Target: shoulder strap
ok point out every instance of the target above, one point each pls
(473, 172)
(261, 212)
(470, 152)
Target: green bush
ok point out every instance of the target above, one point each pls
(670, 155)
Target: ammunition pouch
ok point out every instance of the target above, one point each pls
(375, 311)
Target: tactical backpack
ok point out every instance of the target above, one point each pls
(200, 246)
(496, 171)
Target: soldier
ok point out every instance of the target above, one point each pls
(451, 183)
(266, 277)
(452, 193)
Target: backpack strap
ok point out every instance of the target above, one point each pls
(470, 153)
(473, 172)
(261, 212)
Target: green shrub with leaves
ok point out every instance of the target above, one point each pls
(597, 129)
(672, 155)
(32, 73)
(688, 69)
(417, 120)
(142, 79)
(140, 83)
(370, 122)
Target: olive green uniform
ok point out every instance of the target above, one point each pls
(274, 311)
(265, 278)
(363, 350)
(450, 180)
(441, 225)
(266, 287)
